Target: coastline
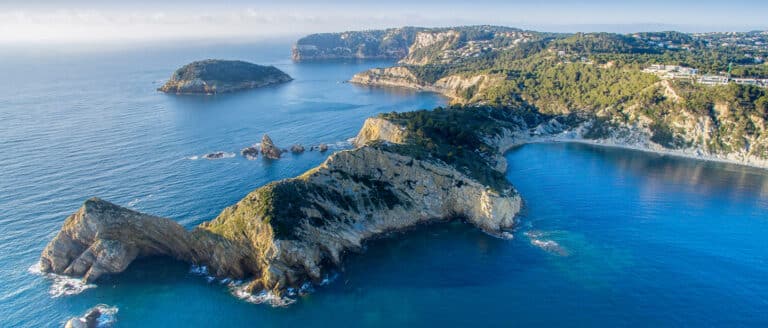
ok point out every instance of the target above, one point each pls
(662, 152)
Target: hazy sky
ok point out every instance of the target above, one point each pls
(108, 20)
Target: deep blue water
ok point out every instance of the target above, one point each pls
(607, 238)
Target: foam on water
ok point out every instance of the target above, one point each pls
(136, 201)
(239, 289)
(61, 285)
(264, 297)
(540, 240)
(218, 155)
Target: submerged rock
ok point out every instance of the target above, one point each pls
(98, 316)
(219, 76)
(251, 153)
(297, 149)
(269, 149)
(217, 155)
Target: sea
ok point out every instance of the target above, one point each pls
(607, 237)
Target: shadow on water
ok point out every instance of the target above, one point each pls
(437, 255)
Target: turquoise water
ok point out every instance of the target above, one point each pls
(607, 238)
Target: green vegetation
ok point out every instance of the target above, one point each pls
(455, 136)
(600, 75)
(227, 71)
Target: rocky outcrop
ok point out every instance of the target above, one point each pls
(398, 76)
(103, 238)
(220, 76)
(268, 148)
(376, 128)
(99, 316)
(297, 149)
(251, 152)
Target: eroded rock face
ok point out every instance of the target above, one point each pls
(268, 148)
(104, 238)
(458, 87)
(220, 76)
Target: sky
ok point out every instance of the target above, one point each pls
(46, 21)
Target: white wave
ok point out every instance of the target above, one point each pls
(218, 155)
(61, 285)
(507, 235)
(108, 315)
(136, 201)
(342, 144)
(193, 157)
(327, 279)
(263, 297)
(539, 240)
(200, 270)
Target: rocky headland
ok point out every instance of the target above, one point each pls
(221, 76)
(290, 232)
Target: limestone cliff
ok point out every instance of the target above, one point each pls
(221, 76)
(104, 238)
(459, 87)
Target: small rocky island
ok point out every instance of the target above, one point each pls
(214, 76)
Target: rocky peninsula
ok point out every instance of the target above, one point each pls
(292, 231)
(214, 76)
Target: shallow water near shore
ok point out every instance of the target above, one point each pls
(608, 237)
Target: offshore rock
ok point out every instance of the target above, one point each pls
(268, 148)
(251, 152)
(297, 149)
(98, 316)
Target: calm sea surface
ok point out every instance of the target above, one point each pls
(608, 237)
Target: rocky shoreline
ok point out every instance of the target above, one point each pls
(634, 137)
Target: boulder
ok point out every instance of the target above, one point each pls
(250, 153)
(297, 149)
